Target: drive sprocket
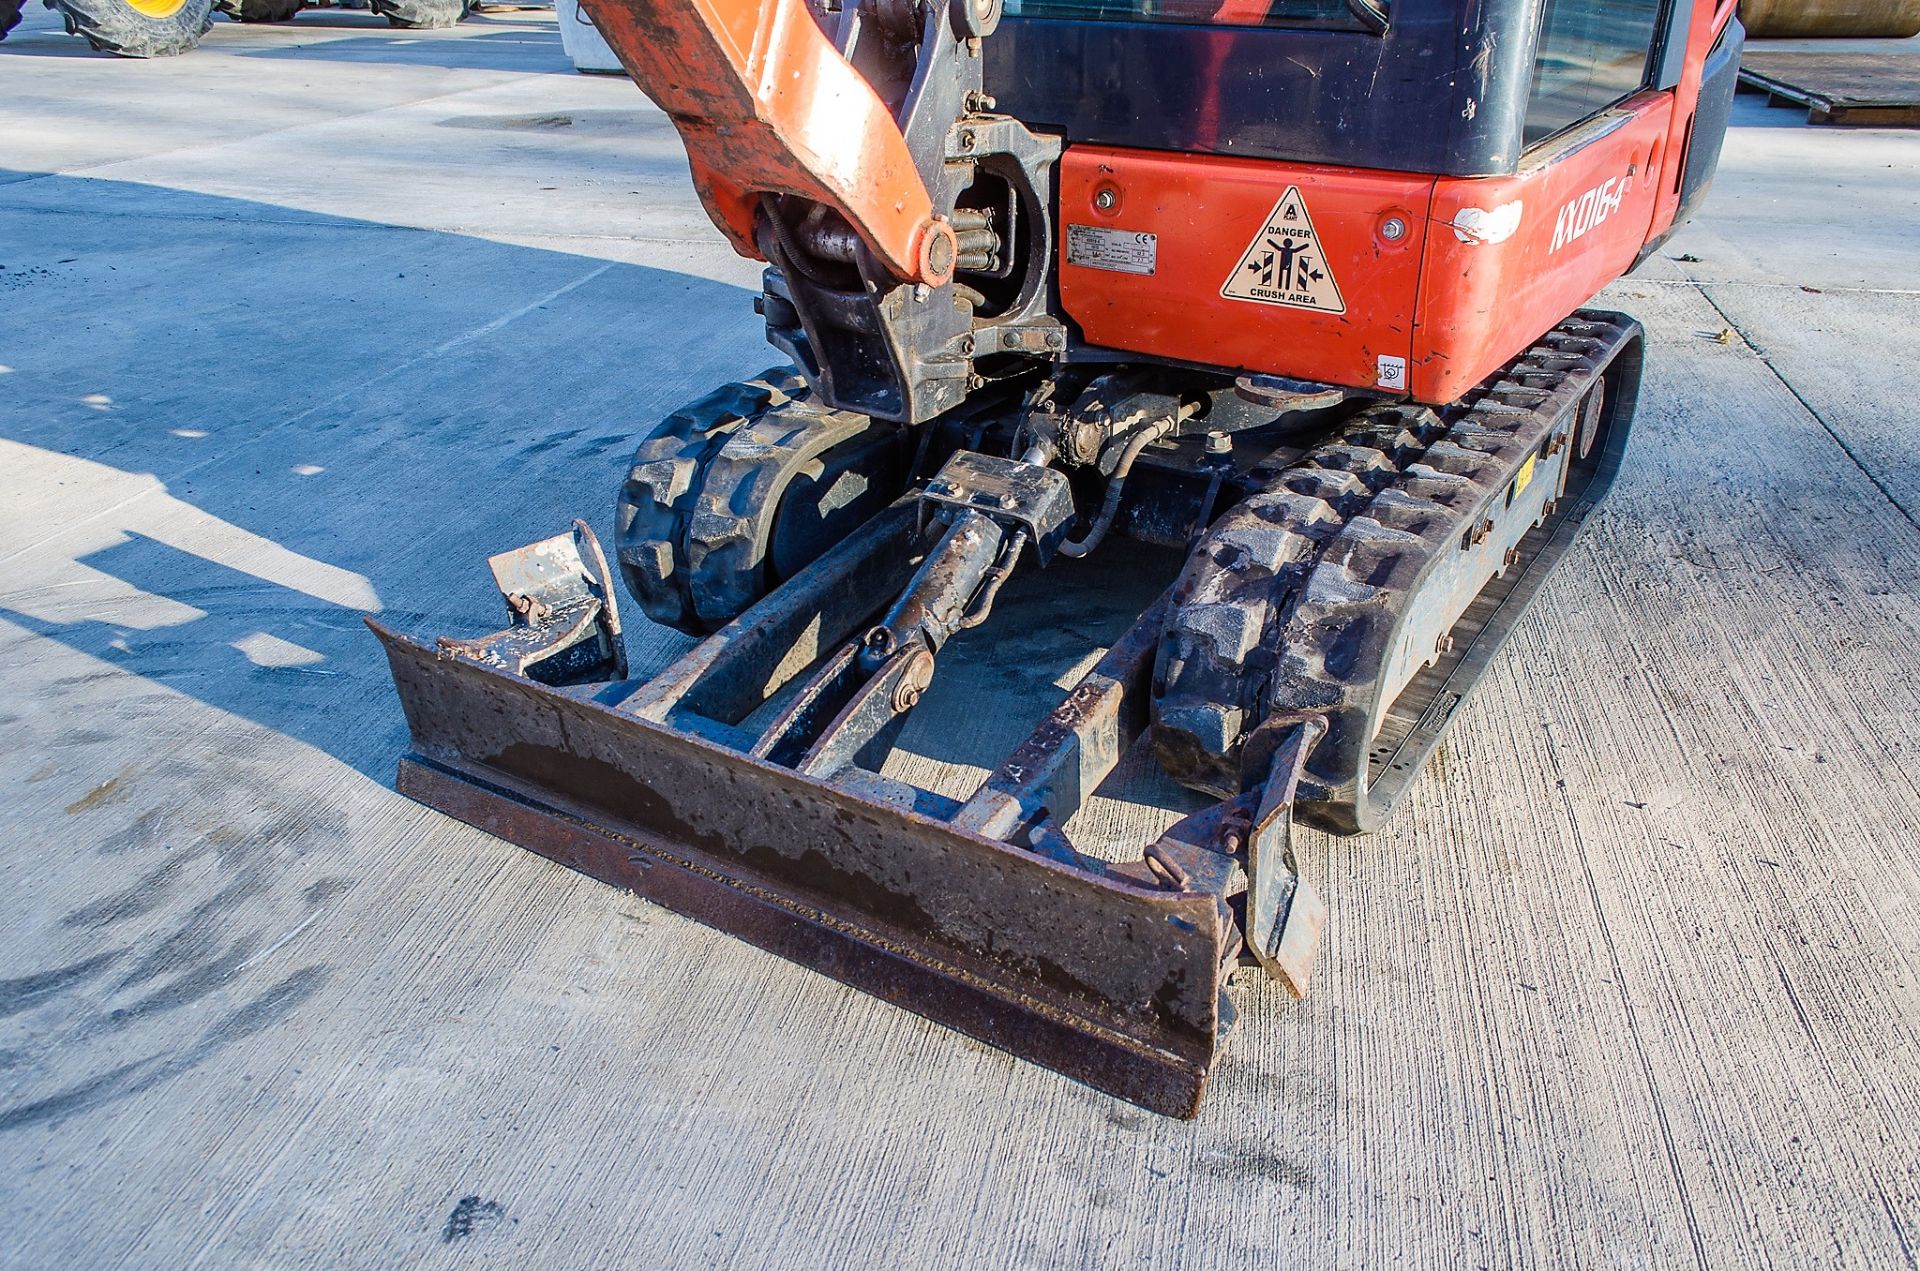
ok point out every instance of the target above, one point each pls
(736, 492)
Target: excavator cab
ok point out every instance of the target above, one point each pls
(1296, 287)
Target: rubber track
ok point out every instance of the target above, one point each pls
(657, 499)
(696, 513)
(1243, 580)
(1336, 641)
(1289, 605)
(740, 494)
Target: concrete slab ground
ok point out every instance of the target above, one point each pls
(306, 324)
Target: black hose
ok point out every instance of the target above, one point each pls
(1371, 15)
(983, 601)
(1115, 484)
(790, 246)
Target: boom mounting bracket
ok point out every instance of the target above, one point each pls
(908, 226)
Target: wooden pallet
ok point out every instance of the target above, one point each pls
(1863, 89)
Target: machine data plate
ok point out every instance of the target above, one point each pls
(1123, 251)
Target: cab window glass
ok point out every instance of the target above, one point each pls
(1592, 53)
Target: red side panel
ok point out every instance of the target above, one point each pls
(1507, 257)
(1485, 265)
(1181, 256)
(1708, 21)
(1208, 219)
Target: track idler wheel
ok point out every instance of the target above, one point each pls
(736, 492)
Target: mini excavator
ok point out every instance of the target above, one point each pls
(1296, 287)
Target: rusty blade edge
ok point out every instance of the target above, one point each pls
(1153, 1079)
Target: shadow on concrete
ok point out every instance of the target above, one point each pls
(1754, 110)
(332, 413)
(346, 398)
(363, 19)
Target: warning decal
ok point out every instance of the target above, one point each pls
(1284, 264)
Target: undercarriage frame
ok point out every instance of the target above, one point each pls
(742, 785)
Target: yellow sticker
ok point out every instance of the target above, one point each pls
(1525, 475)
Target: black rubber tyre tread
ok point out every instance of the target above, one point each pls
(1242, 582)
(114, 26)
(1336, 641)
(9, 16)
(260, 10)
(423, 15)
(1326, 624)
(657, 499)
(727, 537)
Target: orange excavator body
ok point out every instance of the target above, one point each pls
(1446, 277)
(1295, 287)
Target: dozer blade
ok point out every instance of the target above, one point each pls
(977, 915)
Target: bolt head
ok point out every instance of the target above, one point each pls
(1393, 229)
(1105, 200)
(914, 678)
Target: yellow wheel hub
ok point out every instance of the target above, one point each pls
(157, 8)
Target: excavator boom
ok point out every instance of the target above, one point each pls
(768, 106)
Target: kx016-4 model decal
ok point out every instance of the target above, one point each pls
(1587, 210)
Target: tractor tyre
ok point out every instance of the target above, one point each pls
(423, 14)
(138, 28)
(9, 16)
(260, 10)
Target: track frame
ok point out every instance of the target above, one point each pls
(1409, 603)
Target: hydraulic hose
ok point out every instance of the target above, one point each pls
(983, 602)
(789, 245)
(1115, 484)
